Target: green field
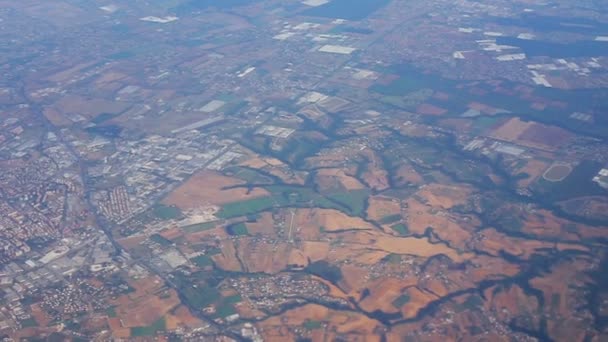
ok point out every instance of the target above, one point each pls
(354, 200)
(150, 330)
(325, 270)
(199, 227)
(311, 325)
(248, 207)
(577, 183)
(201, 296)
(202, 261)
(111, 311)
(238, 229)
(299, 196)
(233, 299)
(390, 219)
(249, 175)
(351, 202)
(160, 240)
(30, 322)
(164, 212)
(401, 300)
(400, 228)
(224, 310)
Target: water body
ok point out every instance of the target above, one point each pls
(347, 9)
(540, 23)
(587, 48)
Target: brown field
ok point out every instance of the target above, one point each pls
(419, 299)
(444, 196)
(353, 280)
(131, 241)
(434, 286)
(333, 178)
(65, 75)
(534, 168)
(40, 315)
(560, 301)
(280, 328)
(182, 316)
(421, 216)
(513, 299)
(557, 172)
(376, 177)
(429, 109)
(109, 77)
(171, 233)
(264, 225)
(457, 124)
(531, 134)
(298, 258)
(545, 137)
(510, 130)
(276, 168)
(398, 245)
(208, 187)
(227, 260)
(380, 207)
(313, 250)
(329, 219)
(88, 107)
(148, 303)
(406, 175)
(488, 268)
(261, 256)
(382, 294)
(494, 242)
(206, 235)
(117, 330)
(334, 291)
(441, 96)
(592, 206)
(489, 110)
(545, 223)
(56, 118)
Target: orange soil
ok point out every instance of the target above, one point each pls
(509, 302)
(399, 245)
(332, 178)
(421, 216)
(276, 168)
(510, 130)
(261, 256)
(534, 168)
(172, 233)
(227, 259)
(382, 294)
(207, 187)
(406, 174)
(429, 109)
(264, 225)
(329, 219)
(418, 300)
(380, 207)
(338, 321)
(131, 242)
(444, 196)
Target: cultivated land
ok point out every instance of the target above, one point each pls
(345, 170)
